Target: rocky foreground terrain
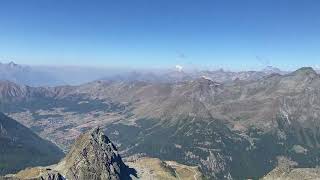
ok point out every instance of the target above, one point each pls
(232, 130)
(286, 170)
(154, 168)
(94, 157)
(293, 174)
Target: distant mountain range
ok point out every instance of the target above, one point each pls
(173, 76)
(72, 75)
(51, 75)
(26, 75)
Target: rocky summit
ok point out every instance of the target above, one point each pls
(93, 156)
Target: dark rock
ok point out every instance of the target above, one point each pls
(94, 157)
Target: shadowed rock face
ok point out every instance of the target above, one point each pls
(94, 157)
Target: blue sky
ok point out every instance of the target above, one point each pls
(233, 34)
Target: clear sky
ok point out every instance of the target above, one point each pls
(234, 34)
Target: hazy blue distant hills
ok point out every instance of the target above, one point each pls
(174, 76)
(73, 75)
(51, 75)
(27, 75)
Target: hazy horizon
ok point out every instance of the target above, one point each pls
(125, 69)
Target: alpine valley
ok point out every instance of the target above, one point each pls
(232, 125)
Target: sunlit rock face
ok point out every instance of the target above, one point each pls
(93, 156)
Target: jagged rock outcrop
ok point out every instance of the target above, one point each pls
(38, 173)
(93, 156)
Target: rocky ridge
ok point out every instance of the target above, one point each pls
(93, 156)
